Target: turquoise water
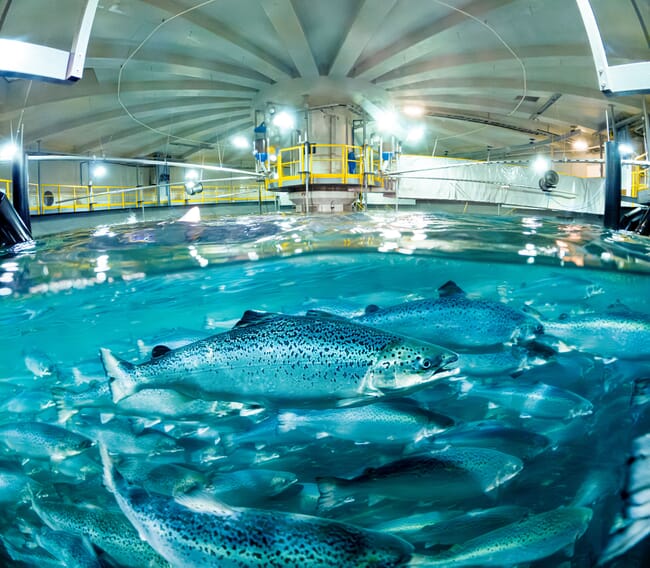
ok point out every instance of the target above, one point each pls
(130, 287)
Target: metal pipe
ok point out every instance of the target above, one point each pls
(612, 215)
(646, 130)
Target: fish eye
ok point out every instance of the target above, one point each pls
(426, 363)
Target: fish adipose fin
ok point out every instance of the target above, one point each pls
(450, 288)
(371, 309)
(252, 317)
(120, 375)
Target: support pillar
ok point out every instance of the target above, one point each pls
(612, 186)
(20, 188)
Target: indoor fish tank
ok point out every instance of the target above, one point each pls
(529, 447)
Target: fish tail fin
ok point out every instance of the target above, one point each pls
(120, 375)
(64, 409)
(287, 421)
(108, 467)
(330, 492)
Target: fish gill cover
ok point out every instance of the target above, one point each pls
(360, 390)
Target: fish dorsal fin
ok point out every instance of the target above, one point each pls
(371, 309)
(450, 288)
(159, 351)
(320, 314)
(253, 317)
(202, 501)
(619, 308)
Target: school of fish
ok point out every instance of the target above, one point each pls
(443, 432)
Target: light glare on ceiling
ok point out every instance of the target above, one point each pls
(415, 134)
(413, 110)
(541, 164)
(386, 121)
(283, 120)
(240, 142)
(8, 151)
(99, 171)
(580, 145)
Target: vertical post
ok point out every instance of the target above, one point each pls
(646, 130)
(20, 185)
(612, 186)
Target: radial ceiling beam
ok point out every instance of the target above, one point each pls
(239, 47)
(431, 68)
(207, 104)
(421, 42)
(370, 16)
(159, 125)
(232, 129)
(285, 21)
(41, 94)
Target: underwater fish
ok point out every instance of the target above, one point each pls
(106, 529)
(454, 320)
(196, 537)
(446, 476)
(620, 333)
(463, 527)
(537, 400)
(277, 359)
(75, 551)
(396, 421)
(519, 442)
(527, 540)
(41, 440)
(246, 487)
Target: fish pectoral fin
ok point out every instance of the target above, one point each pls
(357, 401)
(202, 501)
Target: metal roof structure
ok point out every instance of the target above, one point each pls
(179, 78)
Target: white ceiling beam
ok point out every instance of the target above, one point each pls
(421, 42)
(198, 133)
(92, 119)
(370, 16)
(431, 68)
(170, 123)
(283, 16)
(240, 48)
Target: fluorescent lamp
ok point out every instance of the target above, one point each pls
(541, 164)
(283, 120)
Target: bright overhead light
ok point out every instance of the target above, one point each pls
(541, 164)
(240, 142)
(283, 120)
(413, 110)
(99, 171)
(625, 149)
(191, 175)
(580, 145)
(8, 151)
(386, 121)
(415, 134)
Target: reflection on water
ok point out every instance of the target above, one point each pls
(532, 431)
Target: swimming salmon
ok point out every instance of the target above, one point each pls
(299, 360)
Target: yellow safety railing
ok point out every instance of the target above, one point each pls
(326, 163)
(64, 198)
(639, 178)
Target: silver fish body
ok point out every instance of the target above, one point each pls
(275, 359)
(398, 421)
(443, 477)
(41, 440)
(527, 540)
(455, 321)
(236, 538)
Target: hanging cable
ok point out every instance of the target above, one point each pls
(505, 44)
(134, 52)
